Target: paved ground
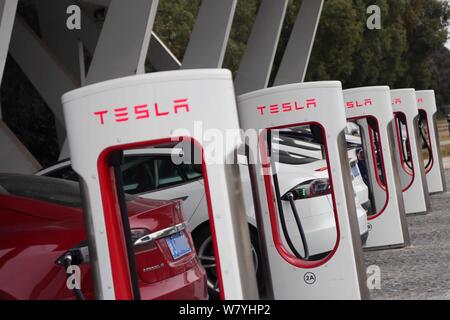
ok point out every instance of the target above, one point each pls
(421, 271)
(446, 162)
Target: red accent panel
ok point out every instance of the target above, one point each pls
(429, 140)
(402, 160)
(374, 157)
(114, 230)
(271, 200)
(379, 182)
(119, 263)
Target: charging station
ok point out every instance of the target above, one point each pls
(341, 273)
(429, 133)
(409, 154)
(370, 108)
(141, 111)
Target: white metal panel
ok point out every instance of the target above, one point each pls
(342, 276)
(210, 98)
(415, 195)
(436, 174)
(388, 225)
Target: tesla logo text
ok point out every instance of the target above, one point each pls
(358, 103)
(286, 107)
(397, 101)
(142, 111)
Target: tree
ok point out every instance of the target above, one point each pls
(338, 37)
(426, 25)
(174, 22)
(378, 60)
(440, 69)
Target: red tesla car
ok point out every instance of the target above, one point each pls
(41, 221)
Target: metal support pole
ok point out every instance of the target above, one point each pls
(54, 32)
(14, 156)
(206, 47)
(122, 47)
(256, 64)
(296, 56)
(7, 14)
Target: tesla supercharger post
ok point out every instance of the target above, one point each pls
(370, 108)
(409, 154)
(434, 168)
(340, 274)
(145, 110)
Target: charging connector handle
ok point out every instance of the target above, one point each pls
(281, 211)
(290, 196)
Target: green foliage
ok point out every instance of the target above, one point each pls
(440, 68)
(378, 59)
(426, 31)
(406, 52)
(397, 55)
(174, 22)
(338, 38)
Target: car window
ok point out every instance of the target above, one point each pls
(191, 171)
(291, 158)
(138, 175)
(168, 174)
(46, 189)
(141, 173)
(65, 173)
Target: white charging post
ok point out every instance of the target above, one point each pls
(408, 152)
(434, 168)
(341, 274)
(142, 111)
(370, 108)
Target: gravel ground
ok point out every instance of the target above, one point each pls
(421, 271)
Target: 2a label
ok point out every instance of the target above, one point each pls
(309, 278)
